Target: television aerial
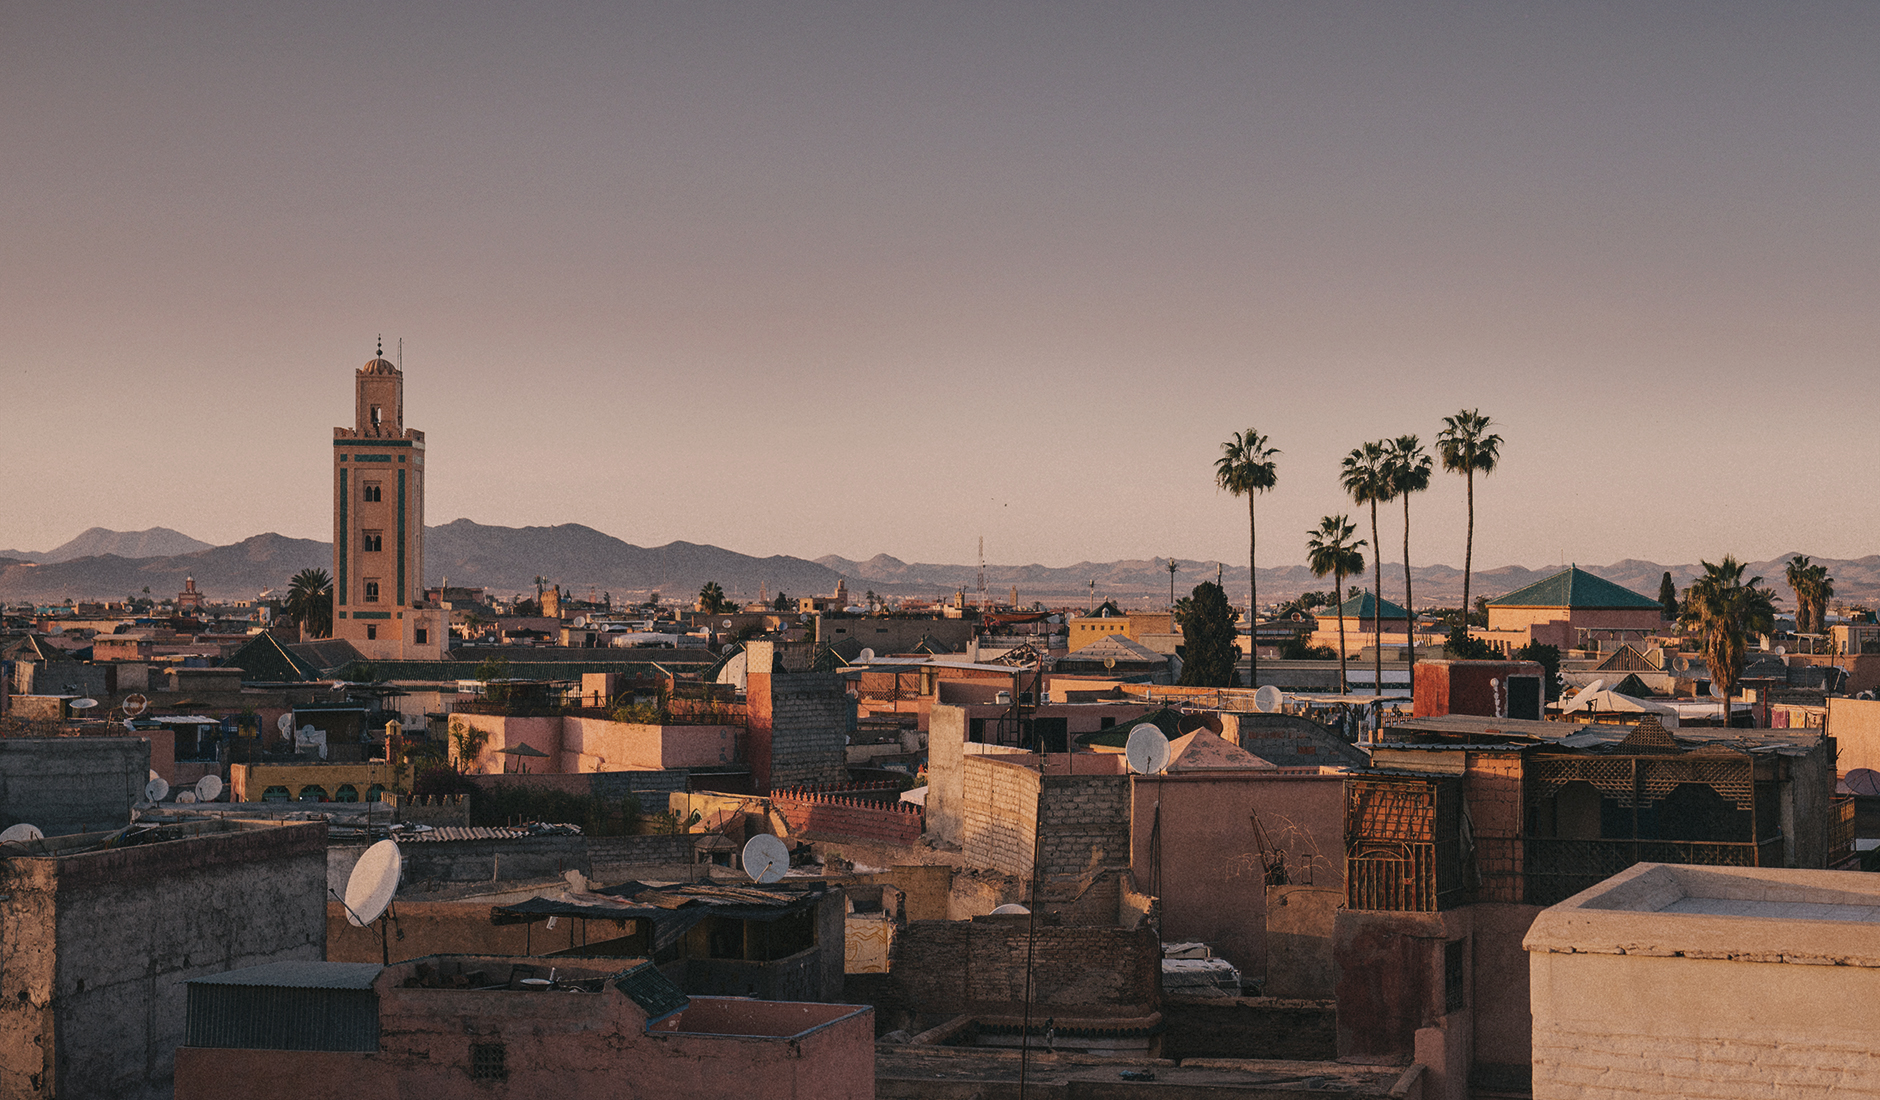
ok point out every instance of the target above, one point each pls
(1268, 699)
(1146, 750)
(765, 858)
(1864, 782)
(135, 704)
(1010, 909)
(285, 723)
(370, 887)
(84, 704)
(21, 833)
(865, 656)
(208, 788)
(1581, 697)
(156, 790)
(185, 798)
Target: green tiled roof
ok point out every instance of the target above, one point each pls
(1364, 606)
(1574, 587)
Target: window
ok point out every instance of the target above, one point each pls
(369, 492)
(346, 793)
(374, 791)
(312, 793)
(486, 1062)
(422, 636)
(372, 541)
(372, 633)
(372, 591)
(277, 794)
(1455, 986)
(376, 416)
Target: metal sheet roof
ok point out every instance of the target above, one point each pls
(298, 975)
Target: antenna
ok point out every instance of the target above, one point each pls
(1268, 699)
(765, 858)
(208, 788)
(134, 704)
(1581, 697)
(982, 573)
(285, 723)
(21, 833)
(864, 656)
(156, 790)
(1147, 750)
(84, 704)
(370, 887)
(185, 798)
(401, 355)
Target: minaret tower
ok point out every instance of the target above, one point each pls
(378, 525)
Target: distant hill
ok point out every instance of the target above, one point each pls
(157, 542)
(232, 572)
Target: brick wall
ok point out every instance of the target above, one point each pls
(811, 717)
(1492, 789)
(1086, 824)
(849, 814)
(943, 968)
(999, 803)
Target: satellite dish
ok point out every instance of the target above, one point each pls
(1781, 649)
(726, 624)
(373, 881)
(1109, 662)
(865, 656)
(1864, 782)
(19, 834)
(1010, 909)
(84, 704)
(1581, 696)
(1710, 689)
(135, 704)
(156, 790)
(208, 788)
(765, 858)
(1147, 750)
(285, 723)
(1268, 699)
(185, 798)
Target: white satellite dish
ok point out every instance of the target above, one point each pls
(208, 788)
(1581, 696)
(765, 858)
(726, 624)
(185, 798)
(373, 881)
(865, 656)
(1710, 689)
(285, 723)
(135, 704)
(1268, 699)
(1146, 750)
(84, 704)
(1010, 909)
(156, 790)
(19, 834)
(1781, 650)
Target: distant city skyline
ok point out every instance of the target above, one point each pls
(853, 279)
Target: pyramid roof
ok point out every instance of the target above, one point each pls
(1364, 606)
(1575, 587)
(1205, 750)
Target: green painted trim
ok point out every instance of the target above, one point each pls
(372, 458)
(401, 538)
(339, 547)
(372, 614)
(356, 442)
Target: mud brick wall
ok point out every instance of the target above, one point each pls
(811, 717)
(943, 968)
(1086, 824)
(848, 815)
(1000, 819)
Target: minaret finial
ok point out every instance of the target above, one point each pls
(381, 354)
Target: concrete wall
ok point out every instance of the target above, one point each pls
(71, 784)
(99, 944)
(600, 744)
(946, 749)
(1855, 726)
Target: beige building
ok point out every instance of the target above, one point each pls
(1137, 626)
(378, 526)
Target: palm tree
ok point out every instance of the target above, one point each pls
(1245, 469)
(1801, 579)
(1366, 476)
(711, 598)
(1723, 610)
(1467, 449)
(1330, 549)
(1821, 587)
(1409, 473)
(310, 602)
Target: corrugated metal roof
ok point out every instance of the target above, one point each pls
(299, 975)
(464, 832)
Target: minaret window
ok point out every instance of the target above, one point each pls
(375, 416)
(372, 541)
(372, 591)
(369, 492)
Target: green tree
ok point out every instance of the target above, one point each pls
(1366, 475)
(1409, 473)
(781, 603)
(1246, 468)
(1331, 551)
(1468, 448)
(1668, 596)
(1800, 582)
(1723, 610)
(1821, 586)
(310, 602)
(1208, 648)
(1548, 657)
(711, 598)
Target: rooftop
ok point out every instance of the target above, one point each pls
(1575, 587)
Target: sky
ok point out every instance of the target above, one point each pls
(887, 278)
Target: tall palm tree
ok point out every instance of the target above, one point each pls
(1366, 476)
(1409, 473)
(1331, 549)
(1246, 468)
(310, 602)
(1821, 587)
(1468, 448)
(1800, 575)
(1724, 610)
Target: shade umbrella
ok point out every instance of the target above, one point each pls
(522, 750)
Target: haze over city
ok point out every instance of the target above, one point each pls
(853, 279)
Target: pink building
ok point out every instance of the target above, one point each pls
(1568, 609)
(458, 1025)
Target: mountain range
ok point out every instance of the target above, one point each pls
(104, 564)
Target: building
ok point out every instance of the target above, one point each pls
(1493, 689)
(378, 526)
(1670, 980)
(1571, 609)
(104, 929)
(455, 1025)
(1368, 621)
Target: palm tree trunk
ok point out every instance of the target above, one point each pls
(1409, 606)
(1253, 596)
(1377, 610)
(1468, 552)
(1344, 685)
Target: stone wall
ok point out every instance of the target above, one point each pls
(1250, 1027)
(1086, 825)
(811, 717)
(71, 784)
(944, 968)
(999, 818)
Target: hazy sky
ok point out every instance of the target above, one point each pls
(827, 278)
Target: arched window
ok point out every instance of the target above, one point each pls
(313, 793)
(277, 793)
(374, 791)
(346, 793)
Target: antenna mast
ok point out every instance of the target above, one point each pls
(401, 355)
(982, 574)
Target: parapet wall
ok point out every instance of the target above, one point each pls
(849, 813)
(943, 968)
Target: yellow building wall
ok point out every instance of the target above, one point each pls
(248, 781)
